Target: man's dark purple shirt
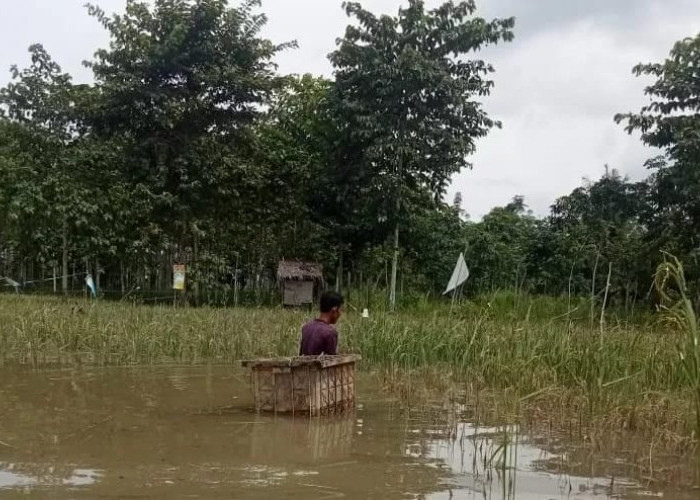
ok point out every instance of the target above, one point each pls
(318, 337)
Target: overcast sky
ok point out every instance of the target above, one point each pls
(558, 84)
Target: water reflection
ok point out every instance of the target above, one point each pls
(178, 431)
(500, 462)
(29, 476)
(287, 439)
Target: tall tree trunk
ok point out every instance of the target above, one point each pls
(87, 272)
(64, 260)
(195, 263)
(605, 301)
(394, 268)
(395, 259)
(235, 283)
(97, 275)
(122, 277)
(339, 273)
(593, 292)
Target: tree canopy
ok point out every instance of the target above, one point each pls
(189, 147)
(407, 98)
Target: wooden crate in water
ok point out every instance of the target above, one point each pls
(313, 385)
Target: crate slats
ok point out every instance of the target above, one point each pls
(310, 385)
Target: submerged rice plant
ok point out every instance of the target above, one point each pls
(679, 312)
(533, 352)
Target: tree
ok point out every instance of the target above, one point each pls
(435, 237)
(672, 119)
(292, 157)
(181, 87)
(596, 226)
(500, 246)
(671, 122)
(407, 96)
(41, 172)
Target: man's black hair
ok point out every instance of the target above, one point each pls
(329, 300)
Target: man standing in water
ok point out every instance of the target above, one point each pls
(319, 336)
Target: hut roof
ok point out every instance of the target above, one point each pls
(299, 271)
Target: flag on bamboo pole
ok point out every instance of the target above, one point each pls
(459, 275)
(91, 285)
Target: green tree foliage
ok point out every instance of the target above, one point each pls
(295, 140)
(434, 239)
(190, 147)
(407, 97)
(595, 228)
(44, 178)
(181, 86)
(500, 247)
(671, 122)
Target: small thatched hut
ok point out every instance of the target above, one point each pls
(300, 282)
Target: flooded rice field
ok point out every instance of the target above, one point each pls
(189, 432)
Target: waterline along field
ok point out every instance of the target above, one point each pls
(533, 354)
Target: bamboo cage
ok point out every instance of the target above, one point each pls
(312, 385)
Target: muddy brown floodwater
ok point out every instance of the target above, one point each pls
(189, 432)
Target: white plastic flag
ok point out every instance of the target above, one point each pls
(91, 285)
(459, 275)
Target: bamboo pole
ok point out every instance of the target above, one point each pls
(605, 300)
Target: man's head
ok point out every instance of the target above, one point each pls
(331, 303)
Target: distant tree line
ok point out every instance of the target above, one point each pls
(611, 233)
(190, 148)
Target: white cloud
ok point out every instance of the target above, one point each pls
(556, 94)
(62, 26)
